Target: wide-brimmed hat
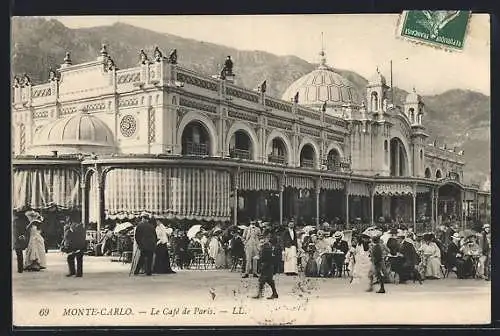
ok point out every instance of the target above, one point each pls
(145, 214)
(33, 216)
(455, 236)
(486, 226)
(321, 233)
(338, 234)
(401, 233)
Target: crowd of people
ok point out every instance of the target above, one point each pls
(259, 249)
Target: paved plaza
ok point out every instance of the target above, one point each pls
(107, 295)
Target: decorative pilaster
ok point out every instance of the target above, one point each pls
(281, 182)
(372, 204)
(414, 207)
(236, 182)
(433, 203)
(318, 192)
(346, 188)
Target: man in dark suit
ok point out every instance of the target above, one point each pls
(290, 248)
(145, 236)
(410, 260)
(378, 265)
(74, 244)
(19, 241)
(267, 261)
(340, 249)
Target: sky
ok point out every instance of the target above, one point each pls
(353, 42)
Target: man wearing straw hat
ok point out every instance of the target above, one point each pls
(251, 240)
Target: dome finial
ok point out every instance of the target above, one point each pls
(414, 90)
(322, 54)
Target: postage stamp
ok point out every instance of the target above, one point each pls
(446, 29)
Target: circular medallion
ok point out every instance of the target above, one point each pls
(128, 126)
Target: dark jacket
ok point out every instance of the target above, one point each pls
(20, 236)
(341, 245)
(74, 237)
(411, 257)
(377, 255)
(287, 240)
(145, 236)
(266, 260)
(237, 247)
(393, 246)
(451, 254)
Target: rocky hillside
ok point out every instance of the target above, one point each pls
(458, 117)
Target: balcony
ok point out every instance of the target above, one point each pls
(307, 163)
(195, 149)
(338, 165)
(236, 153)
(279, 159)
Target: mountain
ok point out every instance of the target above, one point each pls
(457, 117)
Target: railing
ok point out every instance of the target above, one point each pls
(280, 159)
(196, 149)
(307, 163)
(239, 153)
(338, 165)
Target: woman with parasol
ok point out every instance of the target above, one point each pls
(35, 253)
(162, 257)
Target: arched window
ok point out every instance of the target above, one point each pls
(428, 173)
(411, 115)
(421, 155)
(386, 151)
(438, 174)
(374, 101)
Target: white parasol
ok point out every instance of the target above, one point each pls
(385, 237)
(242, 227)
(372, 232)
(308, 228)
(193, 230)
(122, 227)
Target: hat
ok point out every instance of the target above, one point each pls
(338, 234)
(486, 226)
(393, 231)
(144, 214)
(455, 236)
(33, 216)
(321, 233)
(401, 233)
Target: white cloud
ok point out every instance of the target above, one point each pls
(354, 42)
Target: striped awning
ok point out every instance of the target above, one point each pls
(182, 193)
(253, 180)
(332, 184)
(393, 189)
(423, 189)
(359, 189)
(39, 188)
(299, 182)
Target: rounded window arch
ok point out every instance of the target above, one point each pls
(241, 146)
(278, 152)
(439, 174)
(307, 156)
(428, 173)
(386, 151)
(421, 155)
(374, 101)
(195, 139)
(398, 158)
(411, 115)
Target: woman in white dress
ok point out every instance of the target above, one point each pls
(431, 258)
(35, 253)
(361, 262)
(216, 252)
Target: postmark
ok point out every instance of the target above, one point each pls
(445, 29)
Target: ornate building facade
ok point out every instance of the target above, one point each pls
(180, 144)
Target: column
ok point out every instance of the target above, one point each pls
(414, 197)
(235, 205)
(348, 226)
(318, 192)
(462, 221)
(372, 205)
(100, 202)
(396, 161)
(281, 205)
(433, 200)
(84, 202)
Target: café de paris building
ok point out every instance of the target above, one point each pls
(109, 143)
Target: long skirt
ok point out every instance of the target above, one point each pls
(325, 264)
(161, 258)
(290, 259)
(135, 260)
(35, 254)
(433, 269)
(311, 269)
